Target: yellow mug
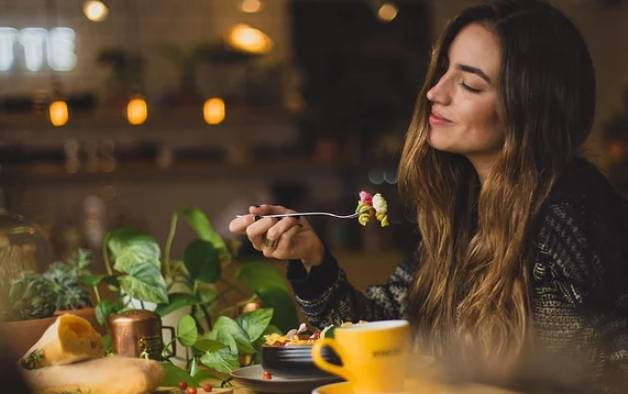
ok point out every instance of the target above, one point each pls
(374, 355)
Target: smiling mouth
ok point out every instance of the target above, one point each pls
(439, 117)
(437, 120)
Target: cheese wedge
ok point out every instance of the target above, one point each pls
(109, 375)
(68, 340)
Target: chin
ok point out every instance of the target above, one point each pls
(439, 145)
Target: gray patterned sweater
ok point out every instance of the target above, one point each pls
(579, 289)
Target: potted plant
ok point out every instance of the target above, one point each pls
(215, 336)
(32, 300)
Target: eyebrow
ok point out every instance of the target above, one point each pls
(473, 70)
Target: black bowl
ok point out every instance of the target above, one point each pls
(295, 362)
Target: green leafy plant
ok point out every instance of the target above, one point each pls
(65, 279)
(38, 295)
(215, 354)
(31, 296)
(216, 335)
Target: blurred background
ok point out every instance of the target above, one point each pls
(117, 112)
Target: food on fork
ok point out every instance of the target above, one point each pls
(372, 206)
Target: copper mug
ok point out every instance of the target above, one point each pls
(138, 333)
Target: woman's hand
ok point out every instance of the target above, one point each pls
(288, 238)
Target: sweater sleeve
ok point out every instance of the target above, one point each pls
(326, 297)
(587, 240)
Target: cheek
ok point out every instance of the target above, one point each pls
(483, 118)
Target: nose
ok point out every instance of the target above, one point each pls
(439, 93)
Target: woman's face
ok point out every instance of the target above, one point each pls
(464, 117)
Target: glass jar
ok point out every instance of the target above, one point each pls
(23, 246)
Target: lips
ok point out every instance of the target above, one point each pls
(437, 119)
(438, 116)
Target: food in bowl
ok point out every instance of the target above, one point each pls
(301, 336)
(290, 356)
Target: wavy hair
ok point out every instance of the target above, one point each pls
(473, 282)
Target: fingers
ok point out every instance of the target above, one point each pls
(286, 251)
(285, 224)
(266, 209)
(240, 225)
(256, 232)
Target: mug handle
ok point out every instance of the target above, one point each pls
(173, 349)
(317, 356)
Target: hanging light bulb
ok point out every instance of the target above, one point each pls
(95, 11)
(58, 113)
(248, 39)
(137, 111)
(250, 6)
(387, 12)
(214, 110)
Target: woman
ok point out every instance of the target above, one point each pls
(523, 246)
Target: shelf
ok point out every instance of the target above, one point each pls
(149, 171)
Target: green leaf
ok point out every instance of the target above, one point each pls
(145, 283)
(193, 368)
(239, 335)
(254, 275)
(145, 249)
(103, 309)
(130, 247)
(187, 333)
(209, 345)
(284, 311)
(175, 375)
(199, 222)
(107, 342)
(331, 333)
(176, 301)
(254, 323)
(203, 375)
(117, 239)
(222, 335)
(222, 361)
(202, 261)
(92, 280)
(207, 295)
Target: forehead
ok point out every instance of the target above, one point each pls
(477, 46)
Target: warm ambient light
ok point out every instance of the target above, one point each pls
(95, 11)
(214, 111)
(250, 6)
(248, 39)
(137, 111)
(387, 12)
(58, 113)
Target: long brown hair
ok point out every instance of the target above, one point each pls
(473, 284)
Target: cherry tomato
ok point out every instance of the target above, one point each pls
(191, 390)
(208, 388)
(267, 376)
(183, 385)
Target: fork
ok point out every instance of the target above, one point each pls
(287, 215)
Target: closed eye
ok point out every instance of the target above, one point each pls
(469, 88)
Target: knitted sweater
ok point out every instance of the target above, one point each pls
(579, 283)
